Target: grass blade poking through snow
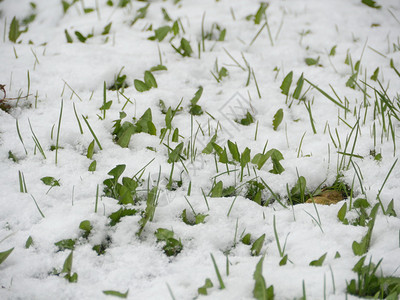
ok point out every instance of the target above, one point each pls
(5, 254)
(36, 141)
(20, 137)
(58, 130)
(92, 132)
(221, 282)
(326, 95)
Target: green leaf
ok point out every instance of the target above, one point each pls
(311, 61)
(259, 159)
(28, 242)
(371, 3)
(337, 255)
(161, 32)
(276, 156)
(86, 227)
(260, 12)
(115, 217)
(65, 244)
(216, 191)
(333, 51)
(67, 267)
(149, 79)
(342, 212)
(299, 86)
(245, 157)
(185, 46)
(165, 15)
(125, 135)
(257, 245)
(68, 37)
(175, 154)
(233, 148)
(247, 239)
(173, 247)
(90, 150)
(319, 261)
(374, 77)
(260, 290)
(197, 96)
(158, 68)
(277, 119)
(390, 210)
(196, 110)
(163, 234)
(117, 171)
(116, 293)
(80, 37)
(50, 181)
(14, 32)
(287, 81)
(203, 289)
(175, 135)
(247, 120)
(107, 29)
(283, 261)
(209, 148)
(5, 254)
(140, 86)
(92, 166)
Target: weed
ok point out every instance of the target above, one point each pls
(172, 246)
(5, 254)
(260, 290)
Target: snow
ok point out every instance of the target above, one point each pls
(73, 74)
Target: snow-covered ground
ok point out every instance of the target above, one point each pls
(343, 127)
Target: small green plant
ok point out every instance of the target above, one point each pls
(116, 294)
(363, 247)
(50, 181)
(116, 216)
(277, 119)
(184, 49)
(203, 289)
(140, 13)
(124, 192)
(67, 268)
(194, 108)
(261, 291)
(86, 227)
(5, 254)
(119, 82)
(172, 246)
(15, 31)
(369, 284)
(123, 132)
(254, 192)
(318, 262)
(149, 82)
(257, 246)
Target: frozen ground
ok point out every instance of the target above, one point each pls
(334, 47)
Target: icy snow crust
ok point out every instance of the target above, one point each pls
(139, 263)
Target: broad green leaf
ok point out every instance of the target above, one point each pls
(333, 51)
(257, 246)
(374, 77)
(311, 61)
(203, 289)
(28, 242)
(149, 79)
(216, 191)
(197, 96)
(283, 261)
(161, 32)
(117, 171)
(107, 29)
(319, 261)
(86, 227)
(140, 86)
(90, 150)
(209, 148)
(116, 293)
(342, 212)
(92, 166)
(223, 157)
(260, 291)
(371, 3)
(68, 37)
(5, 254)
(67, 267)
(163, 234)
(233, 148)
(125, 136)
(115, 217)
(65, 244)
(287, 81)
(247, 239)
(175, 154)
(260, 12)
(259, 159)
(299, 86)
(185, 46)
(158, 68)
(50, 181)
(245, 157)
(14, 32)
(277, 119)
(175, 135)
